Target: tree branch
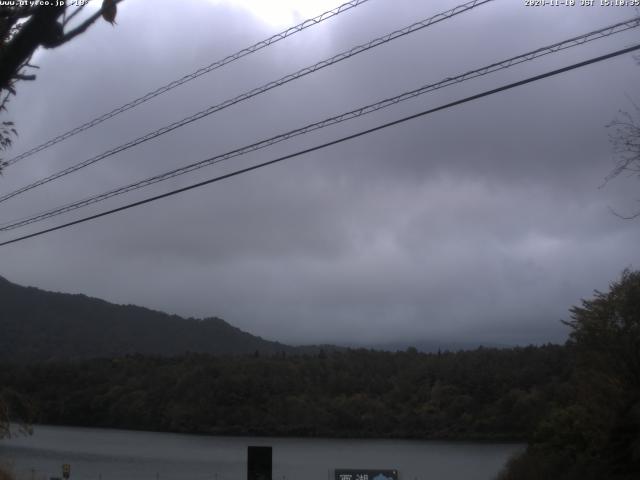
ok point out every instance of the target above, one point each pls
(75, 12)
(27, 40)
(15, 13)
(624, 217)
(80, 28)
(22, 76)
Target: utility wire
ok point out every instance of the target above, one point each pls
(575, 41)
(333, 142)
(191, 76)
(257, 91)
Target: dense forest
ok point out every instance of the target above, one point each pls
(481, 394)
(576, 405)
(597, 435)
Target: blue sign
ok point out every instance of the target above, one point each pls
(351, 474)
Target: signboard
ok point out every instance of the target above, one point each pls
(344, 474)
(66, 470)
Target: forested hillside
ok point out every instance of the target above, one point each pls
(485, 394)
(578, 405)
(37, 325)
(596, 436)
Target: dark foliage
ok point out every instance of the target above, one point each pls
(26, 26)
(38, 325)
(481, 394)
(598, 435)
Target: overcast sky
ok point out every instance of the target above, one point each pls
(481, 223)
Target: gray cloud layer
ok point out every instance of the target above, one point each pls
(480, 223)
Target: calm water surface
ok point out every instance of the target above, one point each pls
(96, 454)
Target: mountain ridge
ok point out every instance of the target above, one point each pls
(40, 325)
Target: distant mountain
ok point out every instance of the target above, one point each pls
(432, 346)
(37, 325)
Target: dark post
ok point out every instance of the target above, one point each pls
(259, 463)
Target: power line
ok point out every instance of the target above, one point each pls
(333, 142)
(256, 91)
(192, 76)
(571, 42)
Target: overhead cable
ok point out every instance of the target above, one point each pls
(252, 93)
(503, 64)
(191, 76)
(333, 142)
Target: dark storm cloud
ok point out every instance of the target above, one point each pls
(480, 223)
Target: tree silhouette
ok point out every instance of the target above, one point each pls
(625, 139)
(24, 28)
(598, 435)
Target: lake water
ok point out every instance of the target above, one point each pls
(97, 454)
